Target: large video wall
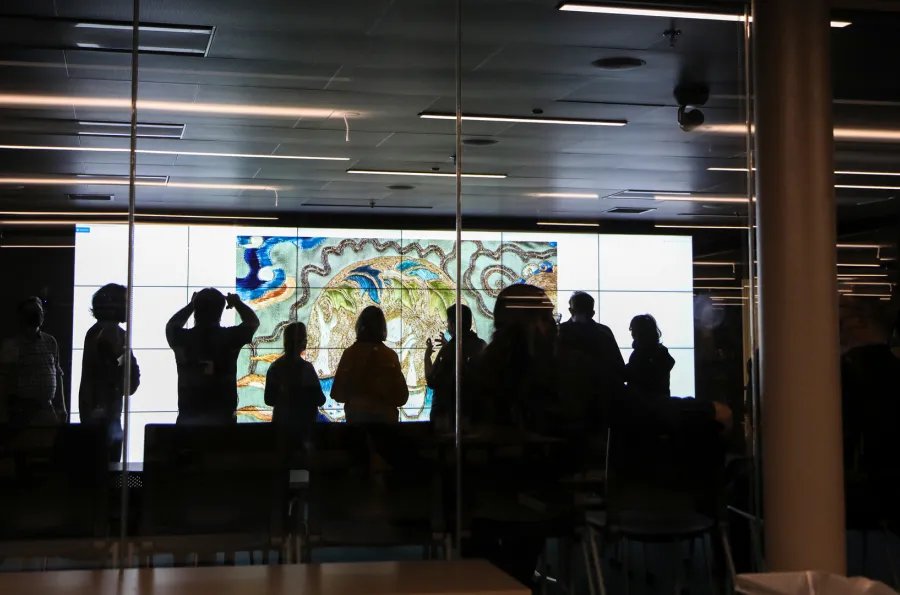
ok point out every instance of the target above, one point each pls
(325, 277)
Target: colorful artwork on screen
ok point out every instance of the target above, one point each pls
(326, 282)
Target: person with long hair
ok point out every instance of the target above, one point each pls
(650, 364)
(101, 393)
(369, 380)
(293, 389)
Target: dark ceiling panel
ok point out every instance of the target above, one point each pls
(382, 62)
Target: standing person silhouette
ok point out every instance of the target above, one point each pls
(292, 386)
(650, 363)
(582, 333)
(368, 380)
(32, 377)
(101, 393)
(441, 372)
(206, 356)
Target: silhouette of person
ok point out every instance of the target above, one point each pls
(101, 393)
(870, 383)
(206, 356)
(293, 389)
(441, 372)
(32, 374)
(650, 363)
(529, 383)
(582, 333)
(369, 380)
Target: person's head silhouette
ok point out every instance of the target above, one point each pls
(645, 331)
(524, 310)
(295, 338)
(108, 303)
(581, 306)
(466, 319)
(209, 304)
(30, 314)
(371, 326)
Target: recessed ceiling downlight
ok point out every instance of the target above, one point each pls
(619, 63)
(479, 142)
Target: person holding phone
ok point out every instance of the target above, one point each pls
(440, 373)
(206, 356)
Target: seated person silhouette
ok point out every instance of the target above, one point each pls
(293, 389)
(582, 333)
(102, 390)
(30, 373)
(369, 380)
(649, 366)
(441, 373)
(206, 356)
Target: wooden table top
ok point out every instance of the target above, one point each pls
(465, 577)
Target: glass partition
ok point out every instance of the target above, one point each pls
(293, 261)
(606, 143)
(64, 109)
(865, 131)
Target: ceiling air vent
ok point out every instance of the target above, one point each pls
(479, 142)
(92, 197)
(144, 129)
(116, 36)
(369, 206)
(628, 211)
(156, 180)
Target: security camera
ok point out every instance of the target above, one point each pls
(688, 97)
(690, 119)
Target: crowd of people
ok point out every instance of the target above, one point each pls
(528, 374)
(534, 377)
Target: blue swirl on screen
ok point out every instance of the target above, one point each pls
(251, 287)
(368, 280)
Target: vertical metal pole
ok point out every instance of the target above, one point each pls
(799, 346)
(755, 496)
(459, 280)
(129, 307)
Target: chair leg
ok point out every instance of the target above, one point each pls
(598, 564)
(564, 564)
(113, 560)
(707, 557)
(887, 553)
(542, 571)
(588, 570)
(626, 547)
(729, 560)
(679, 566)
(865, 551)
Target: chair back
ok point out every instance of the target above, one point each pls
(362, 475)
(518, 479)
(214, 480)
(53, 483)
(675, 472)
